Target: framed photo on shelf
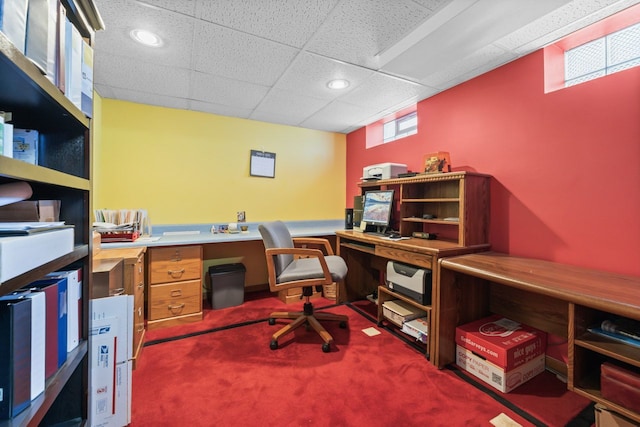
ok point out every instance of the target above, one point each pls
(437, 162)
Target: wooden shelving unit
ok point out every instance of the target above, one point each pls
(63, 172)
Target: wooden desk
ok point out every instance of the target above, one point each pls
(556, 298)
(367, 255)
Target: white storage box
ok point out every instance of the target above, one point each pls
(398, 311)
(417, 328)
(495, 376)
(19, 254)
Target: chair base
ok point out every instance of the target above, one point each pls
(306, 317)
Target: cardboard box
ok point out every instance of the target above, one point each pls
(608, 418)
(398, 312)
(501, 341)
(19, 254)
(25, 145)
(496, 376)
(620, 386)
(417, 328)
(31, 211)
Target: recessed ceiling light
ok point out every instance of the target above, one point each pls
(146, 38)
(338, 84)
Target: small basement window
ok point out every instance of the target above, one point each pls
(400, 127)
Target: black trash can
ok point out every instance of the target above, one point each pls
(227, 285)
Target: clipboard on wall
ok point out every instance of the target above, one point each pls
(263, 164)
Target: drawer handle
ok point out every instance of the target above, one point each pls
(139, 311)
(175, 308)
(176, 273)
(117, 291)
(140, 285)
(176, 293)
(140, 328)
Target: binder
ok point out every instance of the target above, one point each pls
(38, 336)
(52, 353)
(74, 304)
(15, 356)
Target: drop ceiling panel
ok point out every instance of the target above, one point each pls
(155, 99)
(224, 91)
(176, 31)
(289, 107)
(381, 90)
(309, 74)
(223, 110)
(236, 55)
(357, 30)
(122, 73)
(303, 18)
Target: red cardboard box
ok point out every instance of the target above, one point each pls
(501, 341)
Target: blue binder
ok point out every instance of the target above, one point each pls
(62, 313)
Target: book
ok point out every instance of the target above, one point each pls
(15, 356)
(50, 290)
(27, 228)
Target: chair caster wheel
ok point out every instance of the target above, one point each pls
(326, 347)
(343, 325)
(273, 345)
(272, 321)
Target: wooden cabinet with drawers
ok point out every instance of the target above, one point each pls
(175, 286)
(134, 284)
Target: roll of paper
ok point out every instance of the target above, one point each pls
(14, 192)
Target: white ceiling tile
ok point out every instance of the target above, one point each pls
(104, 91)
(236, 55)
(187, 7)
(123, 73)
(382, 91)
(309, 75)
(341, 114)
(224, 91)
(357, 30)
(176, 31)
(132, 95)
(288, 104)
(222, 110)
(265, 18)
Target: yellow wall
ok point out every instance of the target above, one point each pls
(189, 167)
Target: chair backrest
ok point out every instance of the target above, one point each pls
(275, 234)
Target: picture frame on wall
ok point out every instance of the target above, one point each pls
(263, 164)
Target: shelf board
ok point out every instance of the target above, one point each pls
(17, 169)
(594, 394)
(23, 280)
(430, 221)
(433, 200)
(610, 348)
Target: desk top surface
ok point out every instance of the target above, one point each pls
(199, 234)
(594, 288)
(412, 244)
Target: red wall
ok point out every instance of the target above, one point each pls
(565, 165)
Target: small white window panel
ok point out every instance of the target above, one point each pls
(400, 127)
(607, 55)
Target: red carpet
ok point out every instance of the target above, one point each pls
(230, 377)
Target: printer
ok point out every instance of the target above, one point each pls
(383, 171)
(410, 281)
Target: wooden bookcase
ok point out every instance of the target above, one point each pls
(458, 202)
(63, 172)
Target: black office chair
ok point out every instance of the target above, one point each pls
(290, 266)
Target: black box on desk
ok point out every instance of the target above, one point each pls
(411, 281)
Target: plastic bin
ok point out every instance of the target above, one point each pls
(227, 285)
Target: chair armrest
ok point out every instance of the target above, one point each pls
(316, 242)
(301, 252)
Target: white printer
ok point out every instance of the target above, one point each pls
(411, 281)
(383, 171)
